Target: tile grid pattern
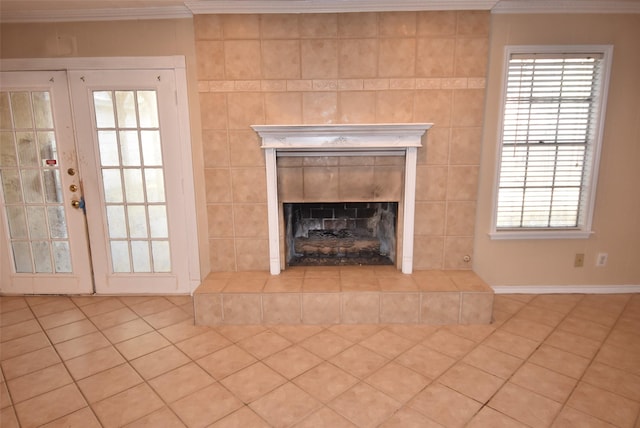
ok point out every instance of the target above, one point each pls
(347, 294)
(547, 360)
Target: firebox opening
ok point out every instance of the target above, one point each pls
(344, 233)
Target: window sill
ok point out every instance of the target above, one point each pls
(539, 234)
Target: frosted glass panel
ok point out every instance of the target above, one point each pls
(108, 145)
(155, 184)
(21, 108)
(62, 256)
(120, 256)
(158, 221)
(117, 222)
(161, 256)
(137, 221)
(103, 102)
(47, 146)
(31, 186)
(130, 148)
(11, 186)
(7, 149)
(140, 256)
(148, 108)
(112, 185)
(22, 257)
(5, 112)
(17, 222)
(27, 149)
(151, 150)
(126, 109)
(133, 185)
(42, 110)
(37, 222)
(42, 256)
(57, 222)
(52, 186)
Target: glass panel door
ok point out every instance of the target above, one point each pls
(130, 151)
(43, 237)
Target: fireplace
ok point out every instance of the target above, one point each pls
(340, 233)
(375, 140)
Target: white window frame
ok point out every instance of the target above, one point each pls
(583, 230)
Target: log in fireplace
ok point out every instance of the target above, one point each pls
(344, 233)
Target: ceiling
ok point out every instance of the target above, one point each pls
(77, 10)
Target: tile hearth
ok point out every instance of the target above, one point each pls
(347, 295)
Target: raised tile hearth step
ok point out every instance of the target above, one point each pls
(344, 294)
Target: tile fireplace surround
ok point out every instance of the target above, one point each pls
(343, 294)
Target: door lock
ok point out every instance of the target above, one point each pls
(71, 171)
(73, 187)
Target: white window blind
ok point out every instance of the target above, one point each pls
(549, 133)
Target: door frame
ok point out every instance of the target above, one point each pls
(177, 64)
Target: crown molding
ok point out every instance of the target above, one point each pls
(329, 6)
(196, 7)
(566, 6)
(110, 14)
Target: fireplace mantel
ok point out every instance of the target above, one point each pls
(342, 140)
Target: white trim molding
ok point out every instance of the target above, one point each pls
(96, 14)
(342, 140)
(565, 289)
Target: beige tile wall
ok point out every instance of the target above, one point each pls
(342, 68)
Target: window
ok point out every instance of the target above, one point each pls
(553, 111)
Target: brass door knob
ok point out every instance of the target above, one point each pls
(75, 203)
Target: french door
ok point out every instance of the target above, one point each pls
(93, 183)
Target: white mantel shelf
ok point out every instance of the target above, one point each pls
(341, 140)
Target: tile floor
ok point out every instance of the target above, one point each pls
(547, 360)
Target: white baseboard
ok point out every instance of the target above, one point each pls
(565, 289)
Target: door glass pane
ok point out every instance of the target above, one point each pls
(47, 145)
(112, 185)
(155, 184)
(116, 221)
(103, 102)
(135, 195)
(37, 222)
(42, 256)
(130, 148)
(7, 149)
(137, 221)
(140, 256)
(17, 222)
(62, 256)
(57, 222)
(148, 108)
(108, 145)
(120, 256)
(126, 108)
(133, 185)
(27, 149)
(31, 184)
(21, 110)
(5, 111)
(151, 150)
(161, 256)
(158, 221)
(22, 257)
(42, 110)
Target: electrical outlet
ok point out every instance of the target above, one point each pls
(602, 259)
(579, 260)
